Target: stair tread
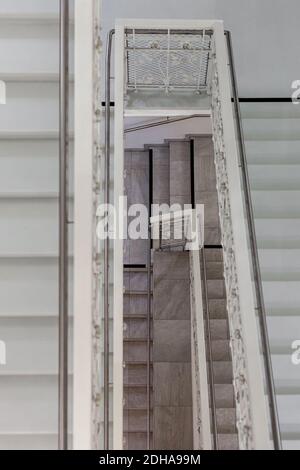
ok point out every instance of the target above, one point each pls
(136, 340)
(136, 292)
(136, 385)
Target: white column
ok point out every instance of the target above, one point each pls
(83, 216)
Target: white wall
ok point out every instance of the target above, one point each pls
(265, 33)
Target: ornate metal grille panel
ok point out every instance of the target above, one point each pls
(167, 59)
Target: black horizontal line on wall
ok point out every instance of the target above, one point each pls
(264, 100)
(241, 100)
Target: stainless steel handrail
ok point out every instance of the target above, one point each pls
(106, 243)
(63, 226)
(162, 122)
(254, 255)
(213, 405)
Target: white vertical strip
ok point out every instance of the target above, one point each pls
(118, 242)
(258, 401)
(83, 215)
(199, 360)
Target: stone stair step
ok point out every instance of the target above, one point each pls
(226, 420)
(135, 328)
(214, 270)
(136, 292)
(219, 329)
(161, 171)
(135, 440)
(224, 395)
(228, 442)
(135, 396)
(137, 373)
(220, 350)
(135, 420)
(217, 308)
(135, 350)
(222, 372)
(216, 289)
(135, 316)
(213, 254)
(135, 281)
(180, 172)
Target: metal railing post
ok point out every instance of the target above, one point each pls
(63, 226)
(106, 242)
(254, 255)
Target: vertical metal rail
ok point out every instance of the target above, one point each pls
(149, 285)
(63, 225)
(106, 242)
(213, 404)
(254, 255)
(149, 302)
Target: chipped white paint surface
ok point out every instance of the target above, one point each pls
(86, 401)
(251, 405)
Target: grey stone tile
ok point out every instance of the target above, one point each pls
(224, 396)
(214, 270)
(171, 266)
(213, 254)
(222, 372)
(220, 350)
(135, 328)
(137, 252)
(127, 160)
(226, 420)
(135, 351)
(135, 397)
(140, 159)
(217, 308)
(172, 341)
(135, 374)
(136, 420)
(172, 300)
(180, 173)
(161, 182)
(161, 200)
(182, 201)
(228, 442)
(173, 428)
(137, 304)
(126, 251)
(179, 151)
(138, 192)
(172, 384)
(219, 329)
(216, 289)
(137, 281)
(212, 235)
(211, 208)
(135, 440)
(204, 167)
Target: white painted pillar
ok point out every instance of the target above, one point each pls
(83, 216)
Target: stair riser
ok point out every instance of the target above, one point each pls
(136, 421)
(134, 328)
(137, 374)
(136, 397)
(136, 352)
